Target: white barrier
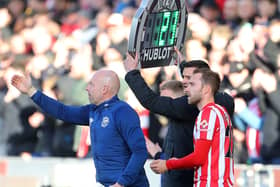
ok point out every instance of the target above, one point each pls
(66, 172)
(54, 172)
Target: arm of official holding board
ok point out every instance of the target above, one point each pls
(173, 108)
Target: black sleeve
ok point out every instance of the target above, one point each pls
(173, 108)
(274, 98)
(226, 101)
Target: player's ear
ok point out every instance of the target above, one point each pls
(206, 89)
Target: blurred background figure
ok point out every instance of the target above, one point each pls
(36, 136)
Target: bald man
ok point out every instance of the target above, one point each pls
(118, 145)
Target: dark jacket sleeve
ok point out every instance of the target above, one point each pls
(226, 101)
(131, 132)
(274, 98)
(173, 108)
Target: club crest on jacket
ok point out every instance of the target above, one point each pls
(105, 121)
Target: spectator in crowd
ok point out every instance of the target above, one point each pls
(199, 27)
(12, 103)
(267, 10)
(209, 10)
(35, 138)
(246, 10)
(195, 49)
(119, 150)
(213, 139)
(268, 95)
(241, 88)
(181, 114)
(230, 14)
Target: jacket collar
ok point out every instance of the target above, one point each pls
(108, 103)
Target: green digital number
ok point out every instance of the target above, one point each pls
(156, 30)
(149, 31)
(164, 29)
(173, 26)
(160, 29)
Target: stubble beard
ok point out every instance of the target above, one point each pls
(193, 100)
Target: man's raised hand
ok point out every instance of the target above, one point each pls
(23, 84)
(130, 63)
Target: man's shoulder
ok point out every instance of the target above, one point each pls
(222, 94)
(225, 100)
(122, 106)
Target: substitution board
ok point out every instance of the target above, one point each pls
(157, 27)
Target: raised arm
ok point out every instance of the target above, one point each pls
(72, 114)
(173, 108)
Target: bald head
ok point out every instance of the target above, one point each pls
(103, 86)
(111, 79)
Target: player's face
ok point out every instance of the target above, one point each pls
(187, 73)
(194, 89)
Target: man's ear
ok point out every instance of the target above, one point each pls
(206, 89)
(105, 89)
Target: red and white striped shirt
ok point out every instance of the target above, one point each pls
(213, 123)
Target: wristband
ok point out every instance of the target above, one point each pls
(157, 155)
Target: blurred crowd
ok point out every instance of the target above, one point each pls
(61, 43)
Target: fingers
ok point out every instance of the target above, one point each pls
(130, 63)
(128, 55)
(28, 75)
(136, 57)
(154, 166)
(157, 166)
(176, 50)
(158, 147)
(149, 144)
(20, 83)
(147, 140)
(16, 79)
(154, 163)
(180, 55)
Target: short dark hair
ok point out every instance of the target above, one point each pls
(193, 63)
(209, 77)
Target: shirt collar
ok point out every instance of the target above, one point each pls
(109, 102)
(208, 105)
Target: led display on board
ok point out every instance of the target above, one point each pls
(158, 26)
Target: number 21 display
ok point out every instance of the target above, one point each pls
(158, 27)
